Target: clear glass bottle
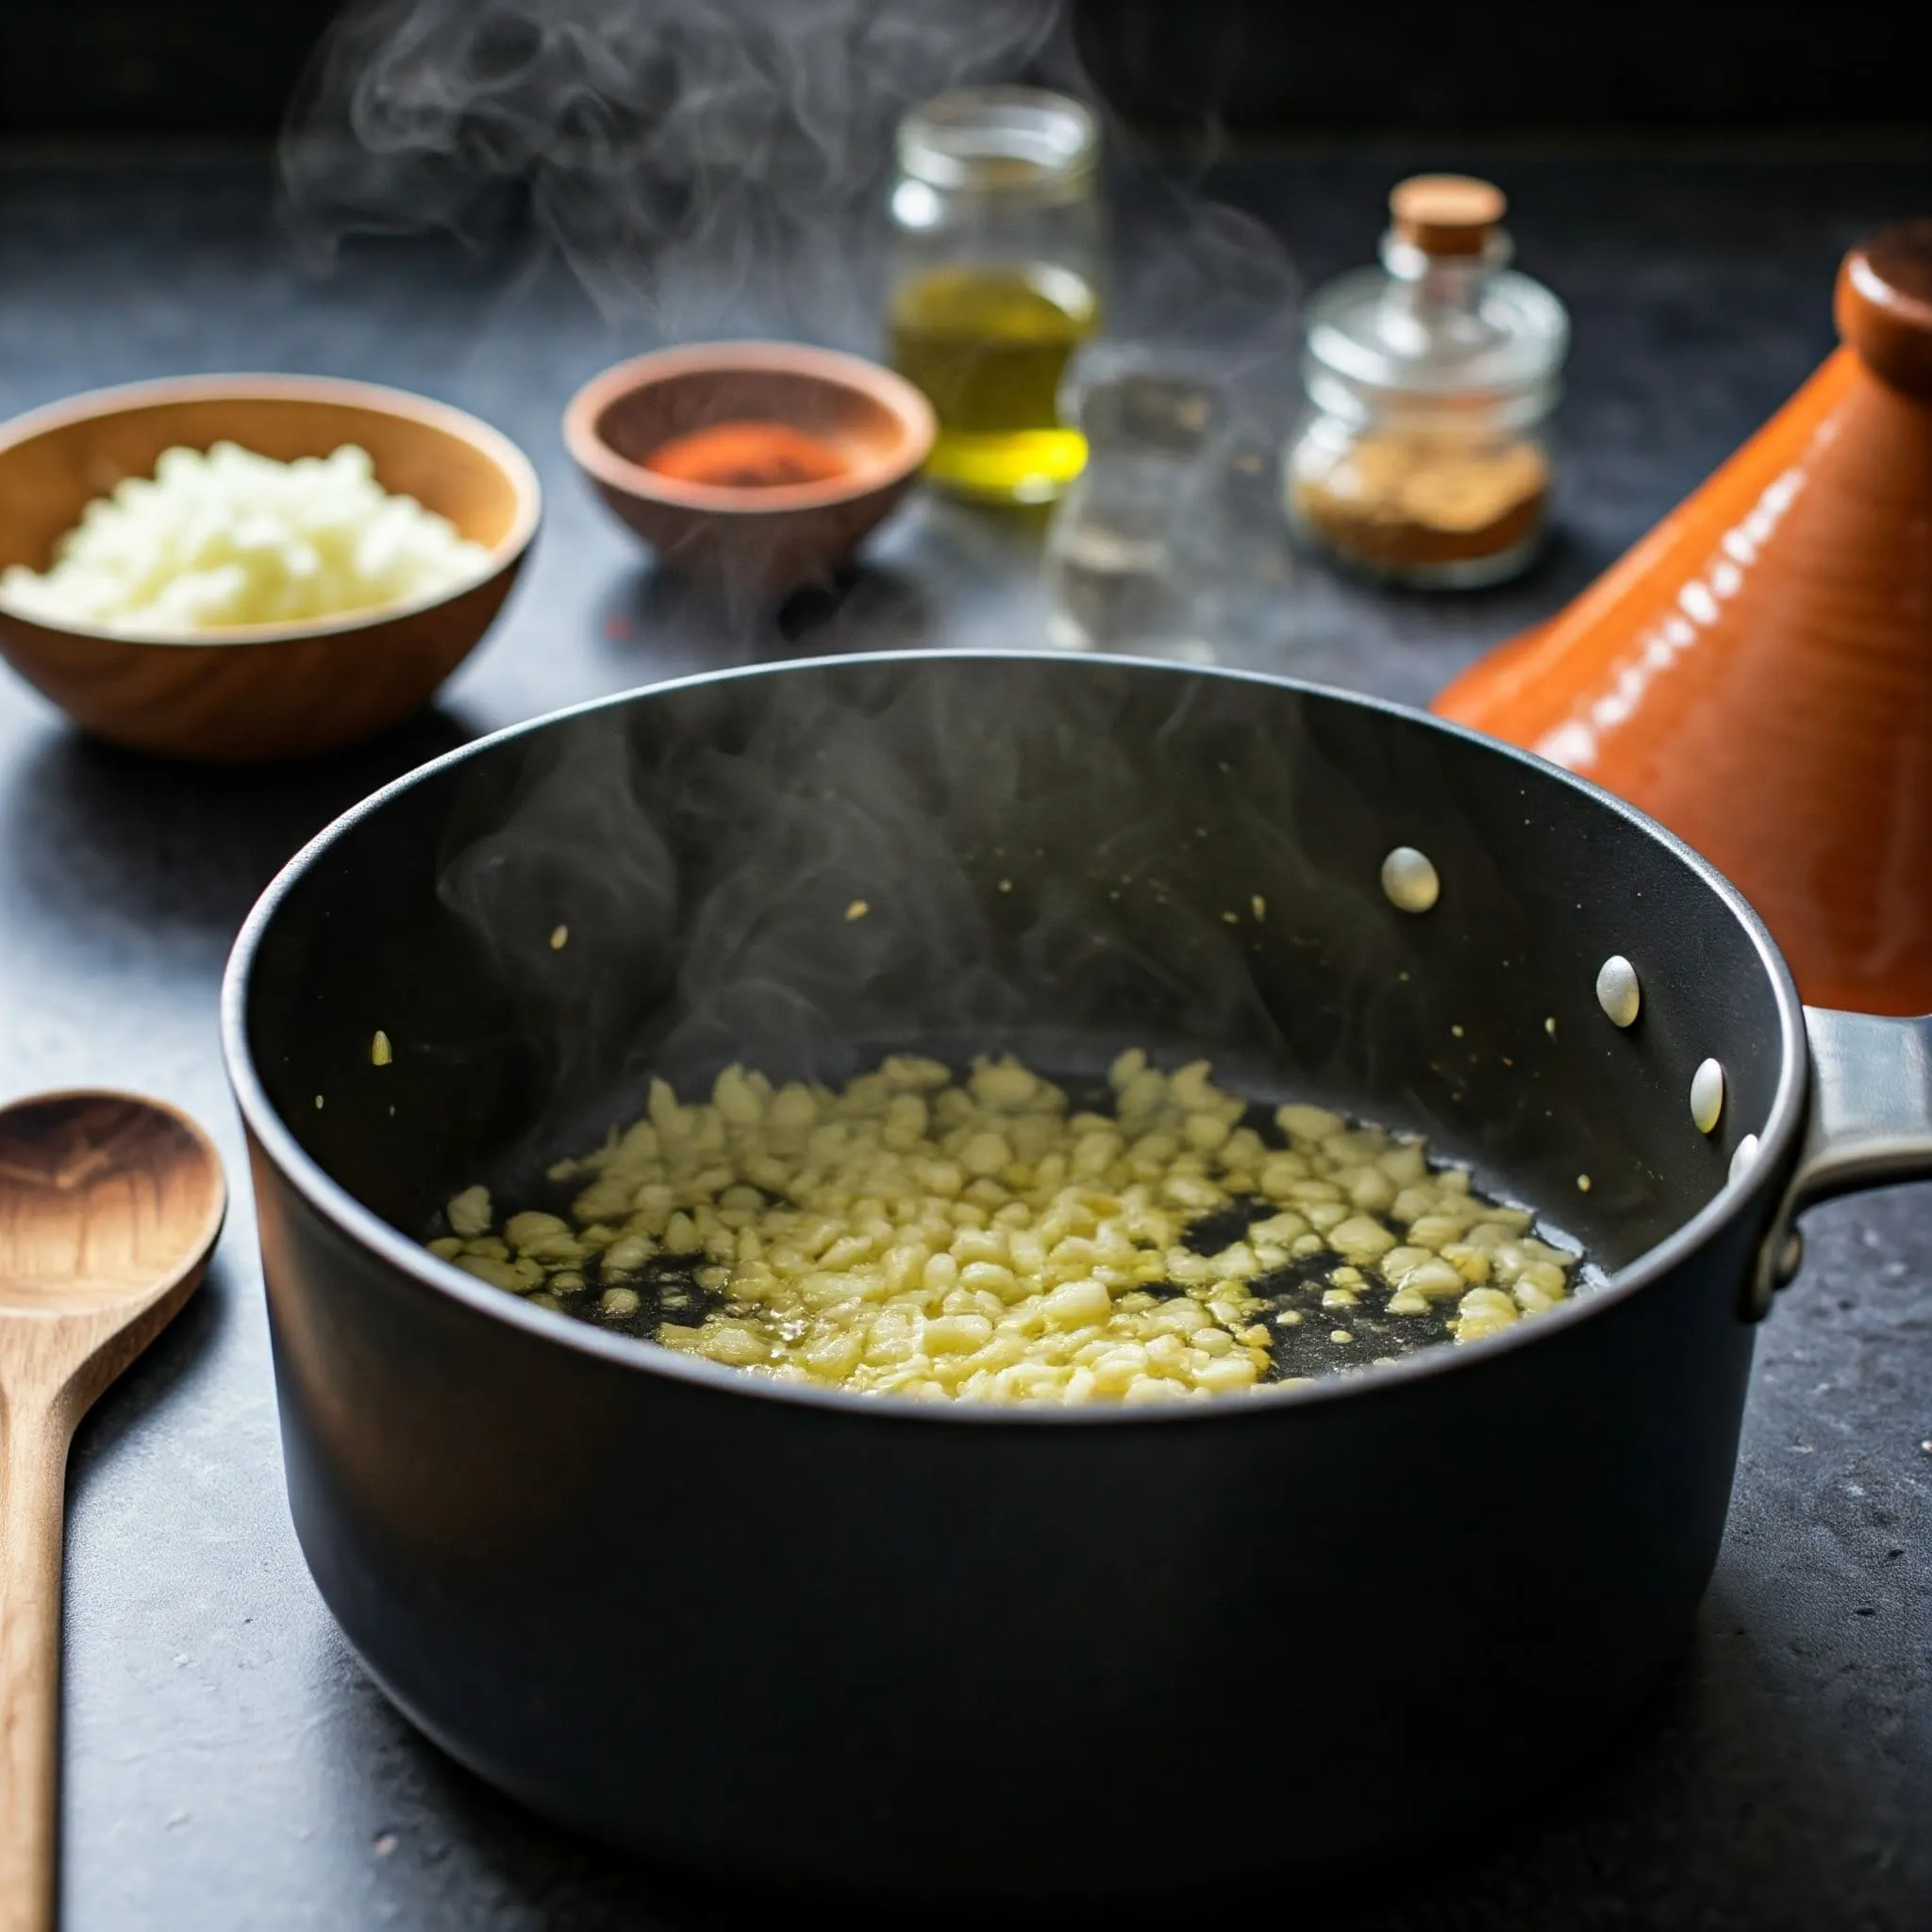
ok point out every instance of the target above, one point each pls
(1112, 562)
(1430, 380)
(994, 282)
(1171, 542)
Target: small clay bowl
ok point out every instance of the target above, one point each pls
(250, 693)
(771, 538)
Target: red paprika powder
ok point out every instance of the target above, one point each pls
(747, 456)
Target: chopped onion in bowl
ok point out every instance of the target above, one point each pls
(232, 538)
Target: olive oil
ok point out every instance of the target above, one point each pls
(988, 344)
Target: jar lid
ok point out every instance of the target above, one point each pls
(1446, 214)
(993, 139)
(1442, 318)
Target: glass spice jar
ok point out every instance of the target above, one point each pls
(994, 282)
(1430, 379)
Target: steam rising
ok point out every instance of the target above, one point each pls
(1034, 852)
(704, 164)
(678, 152)
(700, 164)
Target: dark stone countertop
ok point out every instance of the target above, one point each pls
(228, 1763)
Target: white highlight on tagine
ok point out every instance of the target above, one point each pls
(1575, 742)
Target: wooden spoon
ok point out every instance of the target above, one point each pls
(109, 1206)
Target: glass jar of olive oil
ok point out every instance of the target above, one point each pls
(994, 282)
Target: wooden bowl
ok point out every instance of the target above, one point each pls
(248, 692)
(769, 537)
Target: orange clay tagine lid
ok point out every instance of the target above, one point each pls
(1758, 672)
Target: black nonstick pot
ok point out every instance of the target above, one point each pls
(818, 1639)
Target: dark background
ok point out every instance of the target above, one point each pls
(77, 67)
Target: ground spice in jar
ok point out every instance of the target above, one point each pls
(1429, 379)
(748, 456)
(1395, 501)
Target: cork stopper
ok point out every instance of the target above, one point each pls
(1884, 305)
(1446, 214)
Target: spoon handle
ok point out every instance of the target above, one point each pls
(34, 1433)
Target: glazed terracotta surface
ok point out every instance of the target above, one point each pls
(1758, 672)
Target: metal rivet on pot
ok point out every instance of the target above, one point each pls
(1411, 880)
(1742, 1160)
(1617, 991)
(1706, 1095)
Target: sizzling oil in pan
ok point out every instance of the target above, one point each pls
(998, 1237)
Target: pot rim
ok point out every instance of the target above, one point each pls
(1759, 1186)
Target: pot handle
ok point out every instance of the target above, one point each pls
(1869, 1123)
